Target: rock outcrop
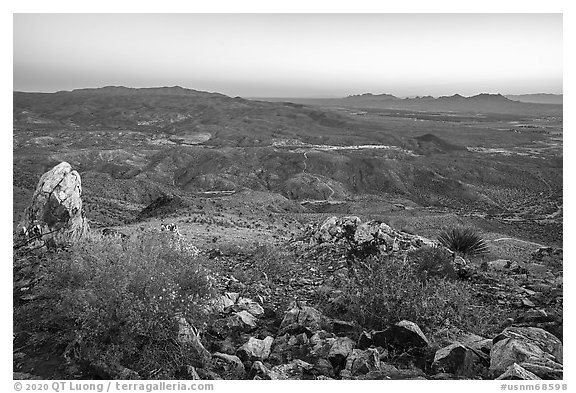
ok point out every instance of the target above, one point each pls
(366, 237)
(55, 217)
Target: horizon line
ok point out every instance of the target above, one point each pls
(306, 96)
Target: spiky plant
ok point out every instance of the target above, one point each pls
(463, 241)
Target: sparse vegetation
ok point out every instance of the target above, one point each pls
(431, 261)
(395, 290)
(464, 241)
(116, 302)
(272, 261)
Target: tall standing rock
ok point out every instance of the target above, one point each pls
(55, 216)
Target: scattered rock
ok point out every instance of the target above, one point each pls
(404, 334)
(365, 340)
(366, 232)
(534, 348)
(224, 346)
(258, 371)
(545, 340)
(323, 367)
(535, 269)
(459, 360)
(246, 318)
(545, 369)
(323, 378)
(454, 335)
(319, 336)
(362, 362)
(205, 374)
(302, 319)
(298, 339)
(508, 351)
(515, 371)
(376, 234)
(296, 369)
(499, 264)
(256, 349)
(250, 306)
(344, 328)
(390, 372)
(322, 343)
(228, 366)
(286, 348)
(528, 303)
(339, 351)
(225, 302)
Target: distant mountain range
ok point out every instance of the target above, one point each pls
(540, 98)
(179, 110)
(481, 103)
(190, 116)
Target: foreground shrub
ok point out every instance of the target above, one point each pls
(272, 261)
(430, 261)
(115, 302)
(464, 241)
(392, 290)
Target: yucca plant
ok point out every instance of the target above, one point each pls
(463, 241)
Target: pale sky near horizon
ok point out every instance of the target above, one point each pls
(292, 55)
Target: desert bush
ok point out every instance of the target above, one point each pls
(432, 261)
(464, 241)
(273, 261)
(392, 291)
(115, 301)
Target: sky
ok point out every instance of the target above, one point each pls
(291, 55)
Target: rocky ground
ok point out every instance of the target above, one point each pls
(267, 320)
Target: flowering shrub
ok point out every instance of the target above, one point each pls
(116, 301)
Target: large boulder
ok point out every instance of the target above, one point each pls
(545, 340)
(55, 216)
(533, 348)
